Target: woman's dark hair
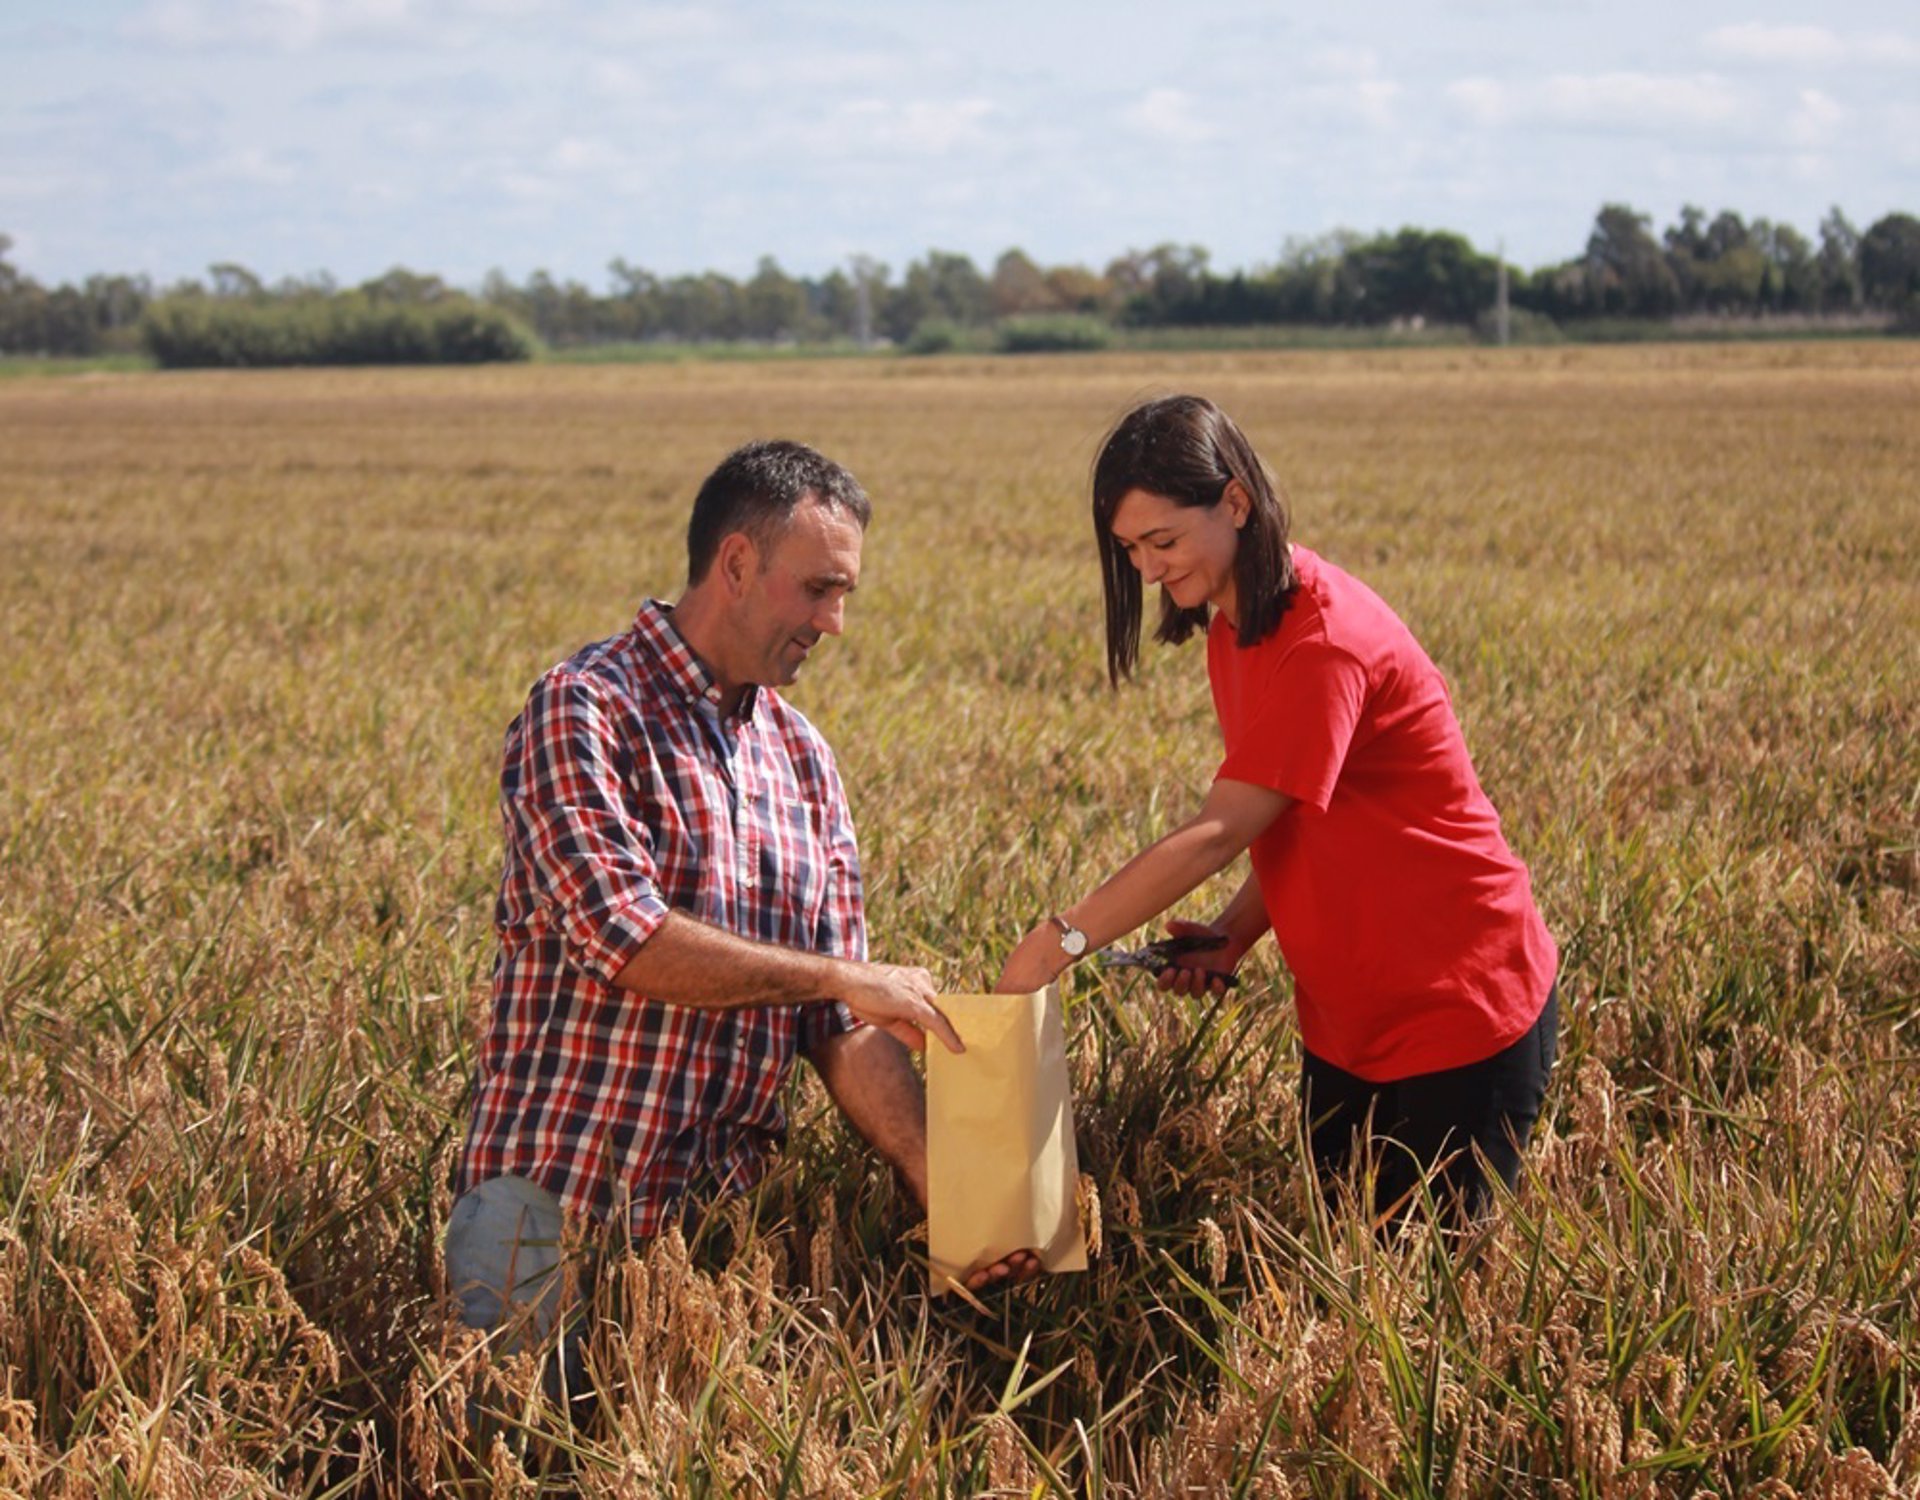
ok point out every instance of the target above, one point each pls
(1188, 450)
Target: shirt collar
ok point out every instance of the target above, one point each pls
(689, 677)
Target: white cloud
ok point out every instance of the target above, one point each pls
(1168, 114)
(1368, 100)
(1756, 41)
(306, 25)
(920, 127)
(1354, 88)
(576, 155)
(1888, 47)
(1816, 119)
(1903, 133)
(253, 166)
(1624, 102)
(653, 26)
(27, 186)
(527, 188)
(288, 25)
(937, 128)
(1481, 100)
(1344, 62)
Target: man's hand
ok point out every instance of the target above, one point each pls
(898, 1000)
(1207, 971)
(1021, 1265)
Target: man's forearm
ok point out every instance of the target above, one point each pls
(687, 962)
(868, 1074)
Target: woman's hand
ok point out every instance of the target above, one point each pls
(1207, 971)
(1034, 964)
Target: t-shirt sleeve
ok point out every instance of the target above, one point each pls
(1295, 735)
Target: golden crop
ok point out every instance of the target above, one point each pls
(262, 635)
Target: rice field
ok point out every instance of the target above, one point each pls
(263, 631)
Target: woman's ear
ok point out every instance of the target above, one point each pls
(1239, 503)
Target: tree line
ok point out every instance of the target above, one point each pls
(1721, 265)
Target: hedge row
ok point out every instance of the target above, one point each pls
(348, 329)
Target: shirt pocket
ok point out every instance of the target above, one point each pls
(789, 864)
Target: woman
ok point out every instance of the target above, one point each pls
(1423, 974)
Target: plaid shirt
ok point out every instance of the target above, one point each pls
(625, 795)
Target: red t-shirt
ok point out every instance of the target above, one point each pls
(1408, 923)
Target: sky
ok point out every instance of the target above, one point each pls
(457, 136)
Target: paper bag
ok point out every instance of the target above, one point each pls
(1001, 1165)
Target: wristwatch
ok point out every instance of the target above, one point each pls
(1073, 942)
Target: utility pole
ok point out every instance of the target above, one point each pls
(863, 278)
(1502, 317)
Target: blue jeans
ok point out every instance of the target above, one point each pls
(503, 1250)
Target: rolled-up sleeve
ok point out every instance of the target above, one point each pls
(842, 927)
(563, 793)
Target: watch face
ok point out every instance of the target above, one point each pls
(1074, 941)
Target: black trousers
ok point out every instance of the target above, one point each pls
(1433, 1125)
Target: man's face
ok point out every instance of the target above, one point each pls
(798, 595)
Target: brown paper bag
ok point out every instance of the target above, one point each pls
(1001, 1164)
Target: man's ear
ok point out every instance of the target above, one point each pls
(737, 562)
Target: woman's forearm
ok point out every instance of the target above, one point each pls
(1146, 885)
(1153, 880)
(1245, 919)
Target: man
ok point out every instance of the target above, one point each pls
(680, 910)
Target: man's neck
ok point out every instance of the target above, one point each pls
(696, 617)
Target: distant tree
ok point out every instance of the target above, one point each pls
(1726, 234)
(833, 305)
(1733, 282)
(958, 289)
(634, 309)
(1890, 263)
(1319, 279)
(772, 304)
(1077, 289)
(1726, 272)
(1019, 286)
(1793, 281)
(562, 313)
(234, 281)
(1688, 238)
(1419, 273)
(630, 280)
(1161, 285)
(70, 320)
(944, 287)
(1626, 271)
(1839, 262)
(406, 288)
(349, 328)
(313, 284)
(701, 308)
(114, 307)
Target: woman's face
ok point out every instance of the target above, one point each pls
(1187, 549)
